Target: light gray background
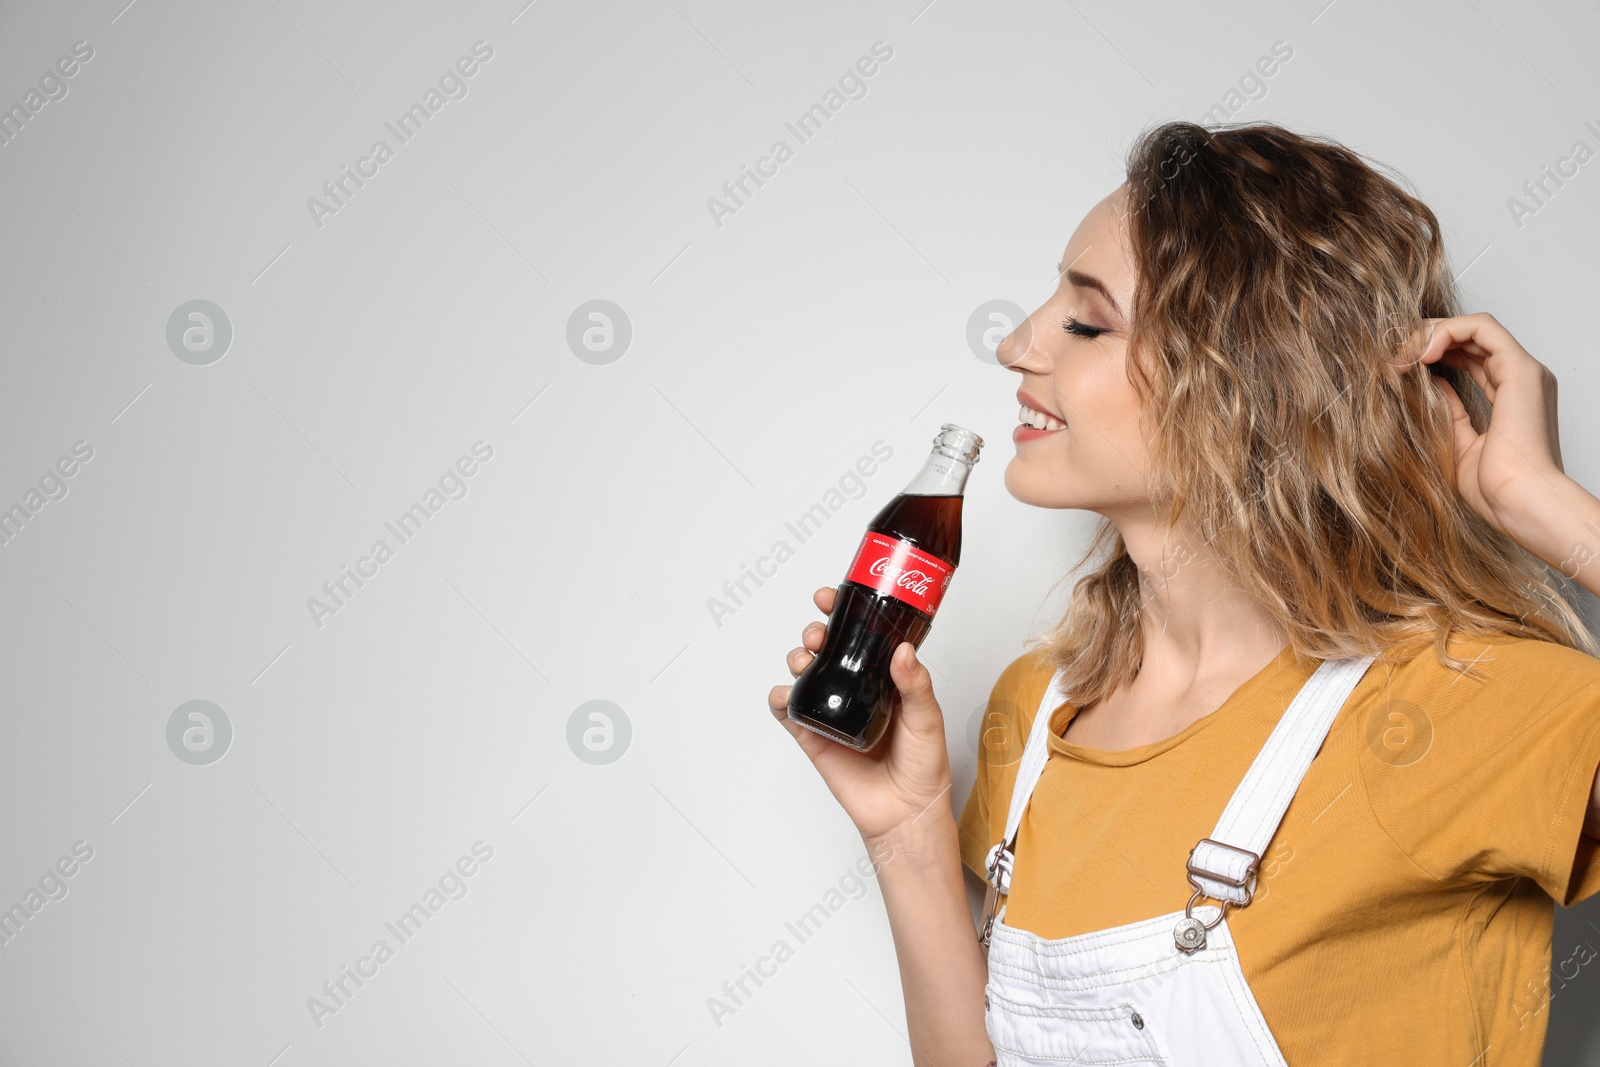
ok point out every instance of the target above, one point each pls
(431, 312)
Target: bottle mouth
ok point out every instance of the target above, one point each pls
(958, 443)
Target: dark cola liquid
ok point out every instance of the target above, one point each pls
(846, 693)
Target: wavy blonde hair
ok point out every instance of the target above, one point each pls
(1278, 274)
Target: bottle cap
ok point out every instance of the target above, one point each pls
(958, 443)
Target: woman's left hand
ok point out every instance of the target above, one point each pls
(1503, 472)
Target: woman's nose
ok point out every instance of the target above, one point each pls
(1016, 347)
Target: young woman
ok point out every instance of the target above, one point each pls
(1298, 775)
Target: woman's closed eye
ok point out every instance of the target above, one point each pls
(1073, 326)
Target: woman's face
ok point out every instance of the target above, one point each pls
(1079, 442)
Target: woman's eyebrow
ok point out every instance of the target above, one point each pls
(1089, 281)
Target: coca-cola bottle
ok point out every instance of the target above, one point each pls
(888, 595)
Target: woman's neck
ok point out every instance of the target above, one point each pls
(1200, 628)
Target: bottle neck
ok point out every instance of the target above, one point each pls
(941, 475)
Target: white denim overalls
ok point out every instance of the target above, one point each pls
(1166, 990)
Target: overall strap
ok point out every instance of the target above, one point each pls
(1034, 757)
(998, 864)
(1224, 865)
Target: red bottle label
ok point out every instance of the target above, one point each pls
(896, 568)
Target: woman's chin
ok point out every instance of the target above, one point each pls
(1040, 485)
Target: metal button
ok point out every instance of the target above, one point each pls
(1190, 934)
(1138, 1021)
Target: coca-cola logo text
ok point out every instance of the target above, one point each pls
(907, 578)
(899, 569)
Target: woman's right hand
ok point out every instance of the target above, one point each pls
(907, 772)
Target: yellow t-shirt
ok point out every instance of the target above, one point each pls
(1404, 909)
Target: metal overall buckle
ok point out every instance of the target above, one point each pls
(1190, 933)
(998, 875)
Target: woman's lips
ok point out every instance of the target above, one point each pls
(1034, 420)
(1032, 403)
(1028, 433)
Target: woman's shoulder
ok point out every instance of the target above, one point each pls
(1514, 685)
(1013, 704)
(1503, 665)
(1022, 684)
(1485, 775)
(1526, 711)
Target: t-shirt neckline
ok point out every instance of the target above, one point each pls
(1247, 696)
